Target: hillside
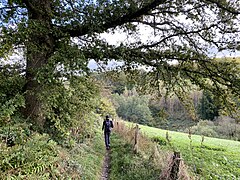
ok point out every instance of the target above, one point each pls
(209, 158)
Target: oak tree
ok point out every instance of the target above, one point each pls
(60, 37)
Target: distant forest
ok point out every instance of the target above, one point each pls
(200, 112)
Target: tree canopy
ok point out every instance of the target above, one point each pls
(60, 37)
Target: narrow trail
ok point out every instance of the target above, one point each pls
(106, 166)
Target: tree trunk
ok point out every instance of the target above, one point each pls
(40, 45)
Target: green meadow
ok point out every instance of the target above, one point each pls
(207, 158)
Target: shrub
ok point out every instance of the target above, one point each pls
(17, 133)
(205, 123)
(207, 131)
(222, 127)
(227, 127)
(205, 128)
(160, 140)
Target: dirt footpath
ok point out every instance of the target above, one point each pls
(106, 166)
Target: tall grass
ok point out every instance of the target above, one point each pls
(149, 153)
(126, 165)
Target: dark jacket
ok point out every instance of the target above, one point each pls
(104, 126)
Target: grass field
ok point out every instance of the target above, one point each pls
(211, 159)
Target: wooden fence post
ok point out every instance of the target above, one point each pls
(175, 167)
(117, 127)
(136, 139)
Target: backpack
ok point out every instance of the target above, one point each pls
(108, 125)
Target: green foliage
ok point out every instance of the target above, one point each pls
(35, 157)
(16, 132)
(204, 130)
(59, 38)
(69, 119)
(133, 108)
(11, 96)
(170, 112)
(160, 140)
(106, 108)
(68, 98)
(117, 81)
(223, 127)
(65, 106)
(10, 107)
(11, 81)
(176, 124)
(127, 165)
(158, 112)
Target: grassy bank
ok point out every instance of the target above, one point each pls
(89, 157)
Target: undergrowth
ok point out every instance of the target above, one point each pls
(36, 156)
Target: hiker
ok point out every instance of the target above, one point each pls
(107, 126)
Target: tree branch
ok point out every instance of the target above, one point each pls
(221, 6)
(178, 34)
(11, 7)
(85, 29)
